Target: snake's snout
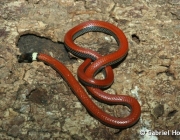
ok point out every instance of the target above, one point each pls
(25, 58)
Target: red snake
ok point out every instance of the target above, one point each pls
(93, 63)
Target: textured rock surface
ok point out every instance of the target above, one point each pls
(35, 102)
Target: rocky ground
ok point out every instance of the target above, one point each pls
(36, 103)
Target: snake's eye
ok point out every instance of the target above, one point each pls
(26, 58)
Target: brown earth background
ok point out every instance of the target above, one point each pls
(36, 103)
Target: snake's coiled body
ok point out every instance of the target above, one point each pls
(93, 63)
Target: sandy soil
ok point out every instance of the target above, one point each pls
(36, 103)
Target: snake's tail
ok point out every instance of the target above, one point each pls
(27, 57)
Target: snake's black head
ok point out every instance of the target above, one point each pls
(25, 58)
